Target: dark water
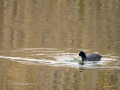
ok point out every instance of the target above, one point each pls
(39, 38)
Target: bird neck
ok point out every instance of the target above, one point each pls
(83, 59)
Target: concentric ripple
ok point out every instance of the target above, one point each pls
(58, 58)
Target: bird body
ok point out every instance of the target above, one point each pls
(93, 57)
(90, 57)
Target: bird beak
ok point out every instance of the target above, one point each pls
(77, 56)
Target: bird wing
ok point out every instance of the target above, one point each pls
(93, 57)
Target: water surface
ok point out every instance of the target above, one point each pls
(39, 38)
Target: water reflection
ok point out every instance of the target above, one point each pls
(56, 78)
(38, 38)
(46, 68)
(60, 24)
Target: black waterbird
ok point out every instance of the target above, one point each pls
(90, 57)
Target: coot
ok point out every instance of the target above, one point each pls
(90, 57)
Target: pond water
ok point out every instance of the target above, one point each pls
(40, 39)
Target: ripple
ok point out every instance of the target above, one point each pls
(59, 58)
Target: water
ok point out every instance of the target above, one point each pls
(39, 40)
(50, 68)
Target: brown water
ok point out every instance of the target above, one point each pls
(38, 38)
